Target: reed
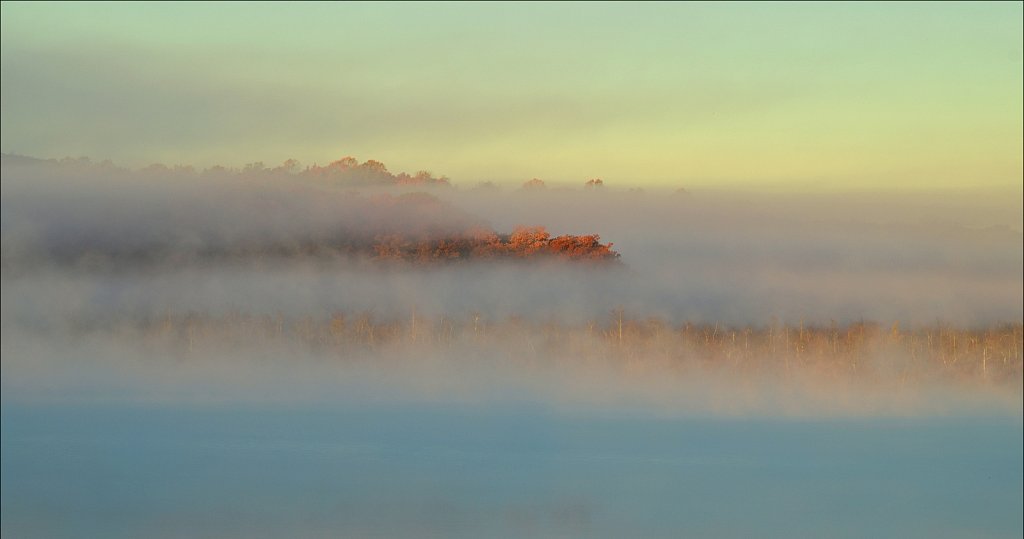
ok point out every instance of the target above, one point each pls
(861, 350)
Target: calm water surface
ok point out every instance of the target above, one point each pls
(510, 470)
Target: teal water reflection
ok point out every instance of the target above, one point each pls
(442, 470)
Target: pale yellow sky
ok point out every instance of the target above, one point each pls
(810, 96)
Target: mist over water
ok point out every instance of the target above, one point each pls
(225, 355)
(97, 260)
(652, 270)
(733, 258)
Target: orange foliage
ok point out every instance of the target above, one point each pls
(581, 248)
(477, 243)
(528, 240)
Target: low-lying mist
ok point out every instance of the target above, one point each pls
(803, 371)
(287, 284)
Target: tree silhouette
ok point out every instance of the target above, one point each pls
(534, 184)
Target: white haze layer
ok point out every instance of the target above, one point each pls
(735, 258)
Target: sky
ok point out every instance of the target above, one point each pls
(802, 96)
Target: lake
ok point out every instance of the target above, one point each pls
(352, 468)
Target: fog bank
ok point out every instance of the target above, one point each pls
(137, 283)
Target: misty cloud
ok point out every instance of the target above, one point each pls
(706, 256)
(729, 261)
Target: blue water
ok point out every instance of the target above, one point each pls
(447, 470)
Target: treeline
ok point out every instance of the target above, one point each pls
(74, 212)
(347, 171)
(523, 243)
(350, 171)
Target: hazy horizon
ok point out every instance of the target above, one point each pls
(849, 95)
(512, 269)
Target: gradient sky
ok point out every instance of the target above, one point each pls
(800, 95)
